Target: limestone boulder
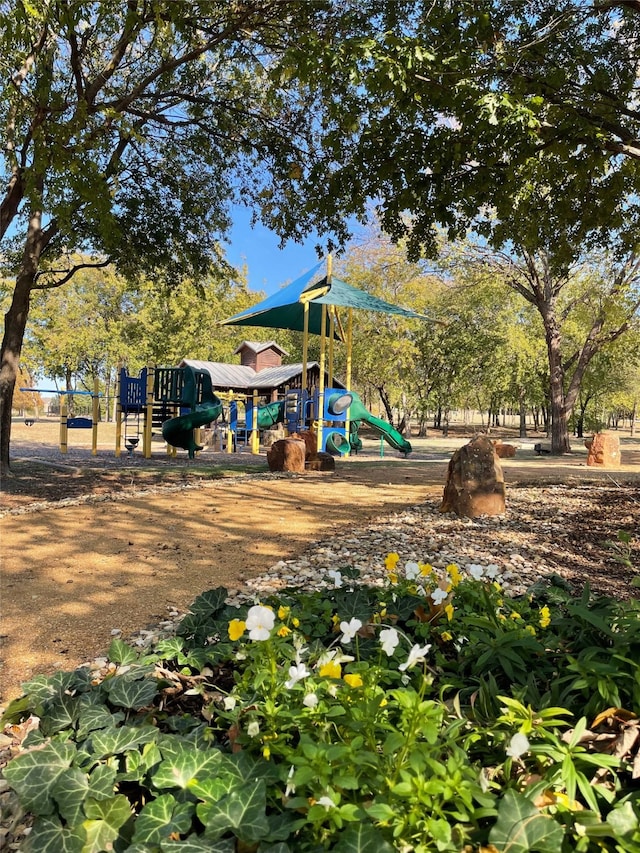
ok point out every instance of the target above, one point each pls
(604, 450)
(287, 454)
(270, 436)
(475, 481)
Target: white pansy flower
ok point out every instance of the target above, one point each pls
(416, 655)
(336, 576)
(349, 629)
(476, 571)
(327, 802)
(296, 674)
(229, 703)
(389, 640)
(411, 570)
(260, 621)
(291, 788)
(310, 700)
(438, 595)
(253, 728)
(518, 745)
(492, 571)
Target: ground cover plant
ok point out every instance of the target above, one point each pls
(432, 712)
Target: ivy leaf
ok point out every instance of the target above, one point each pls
(94, 717)
(242, 810)
(362, 838)
(186, 768)
(131, 691)
(62, 713)
(49, 836)
(162, 817)
(34, 774)
(521, 827)
(122, 653)
(70, 791)
(105, 818)
(209, 602)
(231, 773)
(194, 845)
(117, 740)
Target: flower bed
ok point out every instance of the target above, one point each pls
(434, 712)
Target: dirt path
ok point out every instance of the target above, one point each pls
(73, 574)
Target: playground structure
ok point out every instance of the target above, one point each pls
(66, 422)
(178, 401)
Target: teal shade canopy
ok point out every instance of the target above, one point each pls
(285, 308)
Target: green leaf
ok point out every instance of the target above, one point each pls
(188, 768)
(195, 845)
(162, 817)
(62, 713)
(381, 811)
(521, 827)
(242, 810)
(96, 716)
(131, 692)
(70, 791)
(209, 602)
(105, 818)
(362, 838)
(117, 740)
(49, 836)
(34, 774)
(122, 653)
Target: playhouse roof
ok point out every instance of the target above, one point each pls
(260, 346)
(241, 377)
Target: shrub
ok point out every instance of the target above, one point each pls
(433, 713)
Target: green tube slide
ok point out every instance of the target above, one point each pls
(178, 432)
(357, 412)
(271, 414)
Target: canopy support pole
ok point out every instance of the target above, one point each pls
(347, 426)
(320, 413)
(305, 346)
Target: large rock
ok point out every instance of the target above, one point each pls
(604, 450)
(270, 436)
(321, 462)
(475, 482)
(287, 454)
(504, 451)
(310, 441)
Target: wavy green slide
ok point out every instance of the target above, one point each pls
(271, 414)
(357, 412)
(179, 432)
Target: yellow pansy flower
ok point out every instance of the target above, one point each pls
(515, 615)
(449, 611)
(446, 636)
(236, 629)
(331, 669)
(545, 617)
(425, 569)
(353, 680)
(531, 630)
(454, 573)
(391, 561)
(284, 631)
(283, 611)
(295, 622)
(393, 577)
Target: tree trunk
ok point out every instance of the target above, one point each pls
(15, 322)
(632, 430)
(523, 414)
(559, 421)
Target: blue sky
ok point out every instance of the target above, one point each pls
(269, 266)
